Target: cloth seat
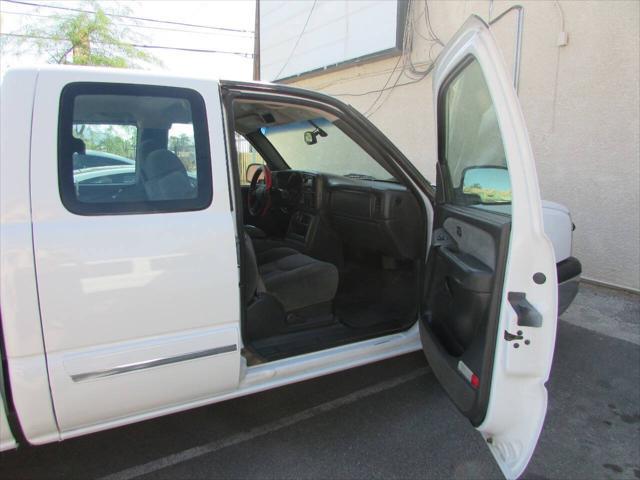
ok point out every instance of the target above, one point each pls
(165, 177)
(273, 254)
(296, 280)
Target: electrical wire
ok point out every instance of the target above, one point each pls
(402, 57)
(427, 17)
(382, 90)
(133, 25)
(130, 17)
(409, 68)
(360, 76)
(362, 94)
(557, 2)
(137, 45)
(297, 40)
(434, 40)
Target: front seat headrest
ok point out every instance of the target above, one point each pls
(148, 146)
(78, 146)
(160, 163)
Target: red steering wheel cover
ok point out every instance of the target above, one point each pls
(267, 184)
(267, 177)
(268, 181)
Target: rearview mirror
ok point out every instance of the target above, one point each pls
(487, 184)
(310, 138)
(251, 170)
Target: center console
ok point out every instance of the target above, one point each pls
(304, 218)
(299, 226)
(309, 231)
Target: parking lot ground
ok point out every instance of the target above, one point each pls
(386, 420)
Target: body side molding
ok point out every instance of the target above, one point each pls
(156, 362)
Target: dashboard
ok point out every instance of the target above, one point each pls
(377, 216)
(298, 190)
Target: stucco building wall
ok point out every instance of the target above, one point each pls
(581, 103)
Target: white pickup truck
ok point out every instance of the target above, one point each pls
(148, 268)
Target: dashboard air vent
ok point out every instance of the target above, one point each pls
(377, 206)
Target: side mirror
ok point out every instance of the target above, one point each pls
(251, 170)
(310, 138)
(487, 184)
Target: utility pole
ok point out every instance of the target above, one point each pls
(256, 44)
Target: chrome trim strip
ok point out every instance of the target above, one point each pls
(156, 362)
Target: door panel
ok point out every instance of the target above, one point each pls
(145, 374)
(461, 302)
(472, 239)
(139, 298)
(489, 312)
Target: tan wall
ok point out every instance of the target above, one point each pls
(581, 103)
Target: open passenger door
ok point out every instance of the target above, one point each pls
(490, 309)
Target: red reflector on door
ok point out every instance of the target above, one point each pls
(466, 372)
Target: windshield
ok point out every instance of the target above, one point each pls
(332, 151)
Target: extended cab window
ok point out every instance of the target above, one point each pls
(133, 149)
(471, 143)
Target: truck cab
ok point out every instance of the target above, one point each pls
(171, 272)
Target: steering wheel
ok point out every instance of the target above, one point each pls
(259, 195)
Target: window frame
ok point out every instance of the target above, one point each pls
(66, 186)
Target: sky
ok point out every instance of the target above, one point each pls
(228, 14)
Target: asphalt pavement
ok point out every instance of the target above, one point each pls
(386, 420)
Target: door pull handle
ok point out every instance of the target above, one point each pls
(528, 316)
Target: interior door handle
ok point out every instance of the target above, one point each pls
(528, 316)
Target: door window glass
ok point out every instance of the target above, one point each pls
(133, 149)
(247, 155)
(105, 146)
(472, 150)
(182, 144)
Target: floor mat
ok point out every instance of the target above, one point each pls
(370, 296)
(370, 302)
(299, 343)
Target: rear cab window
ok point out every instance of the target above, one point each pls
(125, 149)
